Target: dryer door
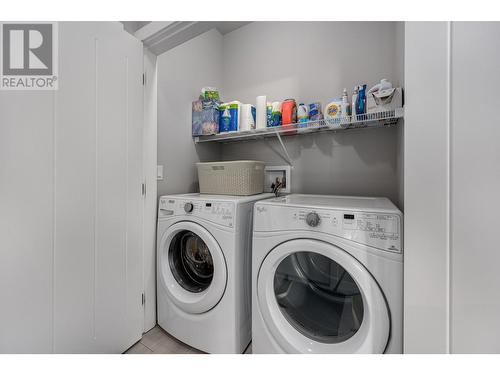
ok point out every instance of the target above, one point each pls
(192, 267)
(317, 298)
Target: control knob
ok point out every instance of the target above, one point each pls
(312, 219)
(188, 207)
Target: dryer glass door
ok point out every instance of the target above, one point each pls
(317, 298)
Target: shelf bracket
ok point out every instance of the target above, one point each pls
(287, 157)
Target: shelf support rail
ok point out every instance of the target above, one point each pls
(287, 157)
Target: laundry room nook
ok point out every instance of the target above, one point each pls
(360, 155)
(245, 186)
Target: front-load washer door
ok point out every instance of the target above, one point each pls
(192, 267)
(316, 298)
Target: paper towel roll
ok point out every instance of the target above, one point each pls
(261, 116)
(246, 117)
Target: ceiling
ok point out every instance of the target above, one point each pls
(161, 36)
(133, 26)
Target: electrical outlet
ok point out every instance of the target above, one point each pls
(279, 173)
(159, 173)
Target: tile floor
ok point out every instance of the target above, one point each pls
(157, 341)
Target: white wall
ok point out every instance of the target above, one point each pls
(400, 71)
(314, 61)
(426, 188)
(474, 188)
(70, 198)
(356, 163)
(452, 181)
(308, 61)
(182, 72)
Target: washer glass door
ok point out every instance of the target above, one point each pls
(191, 267)
(190, 261)
(316, 298)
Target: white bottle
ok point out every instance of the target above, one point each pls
(345, 107)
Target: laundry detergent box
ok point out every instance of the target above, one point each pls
(205, 118)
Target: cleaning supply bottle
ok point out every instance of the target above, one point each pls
(269, 114)
(361, 101)
(225, 120)
(302, 113)
(353, 103)
(276, 114)
(345, 106)
(288, 112)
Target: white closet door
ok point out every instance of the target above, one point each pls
(135, 200)
(111, 192)
(98, 261)
(118, 253)
(75, 148)
(149, 161)
(70, 200)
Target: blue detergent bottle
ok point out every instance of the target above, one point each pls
(361, 100)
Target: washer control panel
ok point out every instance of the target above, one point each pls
(219, 212)
(379, 230)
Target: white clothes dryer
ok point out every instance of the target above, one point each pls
(327, 275)
(203, 270)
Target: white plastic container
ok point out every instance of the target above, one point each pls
(241, 177)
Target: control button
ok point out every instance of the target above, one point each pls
(312, 219)
(188, 207)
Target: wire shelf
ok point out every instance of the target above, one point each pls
(369, 120)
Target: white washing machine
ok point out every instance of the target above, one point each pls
(203, 270)
(327, 275)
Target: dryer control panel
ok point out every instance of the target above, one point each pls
(218, 212)
(376, 229)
